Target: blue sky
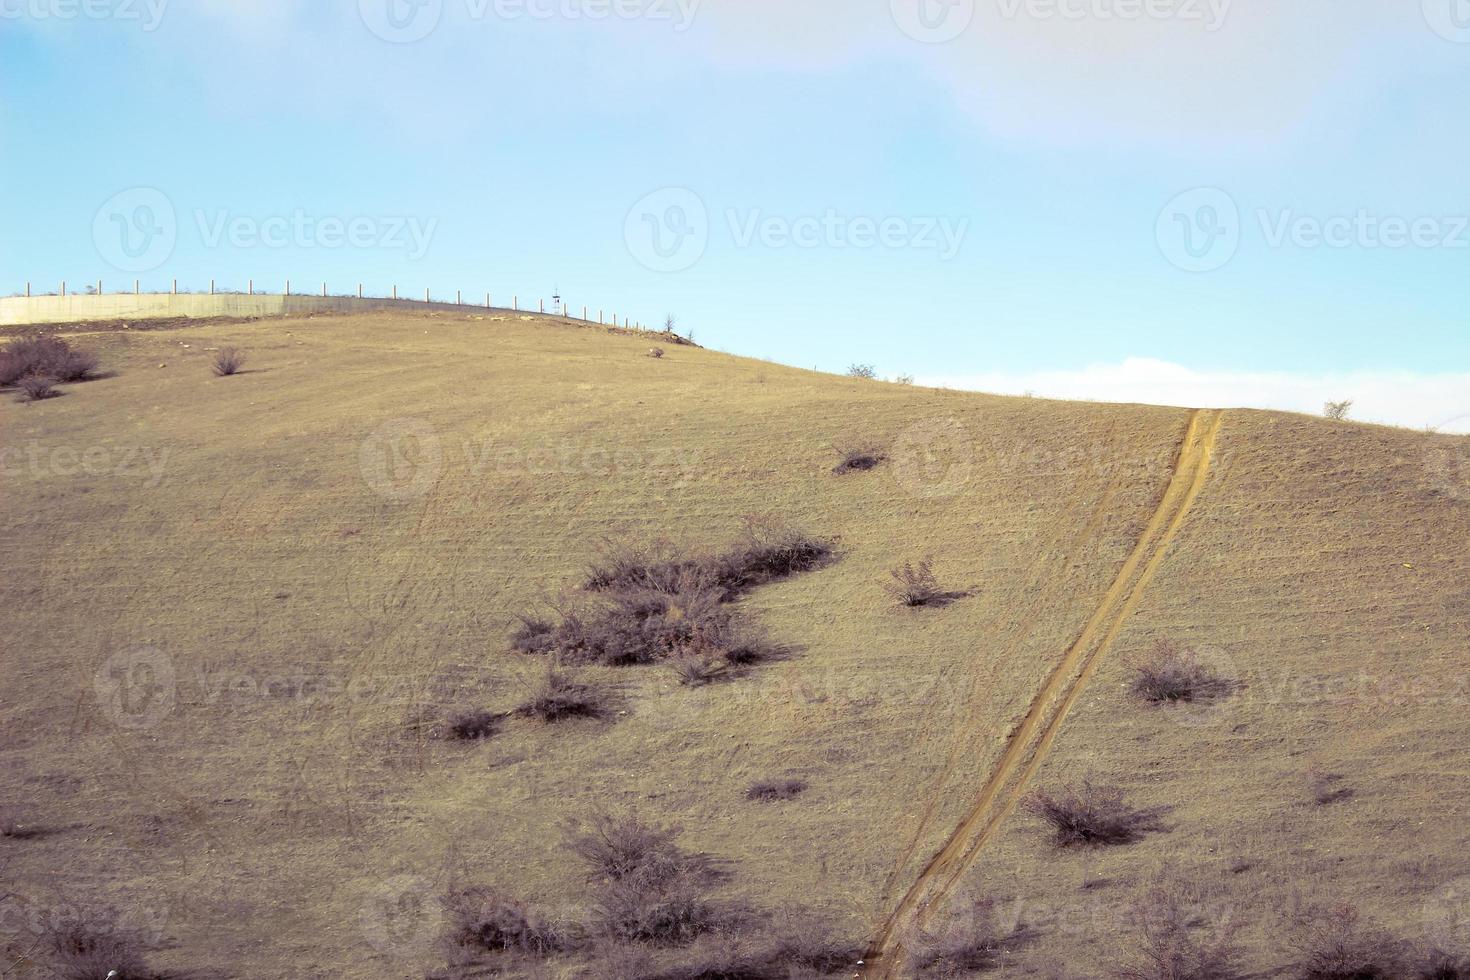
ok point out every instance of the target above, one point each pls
(1198, 201)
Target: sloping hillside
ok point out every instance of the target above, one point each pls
(226, 599)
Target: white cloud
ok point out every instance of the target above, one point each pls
(1393, 397)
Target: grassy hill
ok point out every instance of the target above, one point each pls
(234, 611)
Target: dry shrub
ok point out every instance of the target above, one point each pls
(228, 361)
(1172, 673)
(965, 941)
(482, 920)
(767, 550)
(646, 908)
(35, 389)
(1333, 943)
(1177, 937)
(1089, 815)
(39, 356)
(776, 790)
(534, 635)
(649, 890)
(1337, 411)
(559, 696)
(616, 845)
(96, 950)
(770, 550)
(696, 669)
(474, 725)
(916, 586)
(858, 461)
(802, 951)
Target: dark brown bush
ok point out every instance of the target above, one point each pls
(228, 361)
(1171, 673)
(616, 845)
(45, 357)
(802, 951)
(966, 941)
(770, 550)
(776, 790)
(35, 388)
(859, 461)
(96, 951)
(1089, 815)
(1334, 943)
(1177, 938)
(646, 907)
(696, 669)
(483, 920)
(916, 586)
(559, 696)
(472, 725)
(535, 635)
(649, 890)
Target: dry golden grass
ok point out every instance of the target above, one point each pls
(223, 599)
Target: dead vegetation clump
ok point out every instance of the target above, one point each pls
(1087, 815)
(558, 695)
(917, 586)
(1334, 943)
(647, 888)
(472, 725)
(1172, 673)
(859, 461)
(776, 790)
(767, 551)
(1177, 936)
(40, 356)
(228, 361)
(966, 942)
(99, 949)
(654, 605)
(482, 920)
(36, 389)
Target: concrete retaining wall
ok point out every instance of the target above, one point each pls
(18, 310)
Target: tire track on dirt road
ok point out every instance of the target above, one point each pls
(1038, 730)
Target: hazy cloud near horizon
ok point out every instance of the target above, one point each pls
(1417, 401)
